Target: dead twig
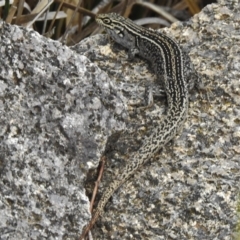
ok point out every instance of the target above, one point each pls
(103, 160)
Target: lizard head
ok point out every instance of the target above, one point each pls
(119, 28)
(112, 23)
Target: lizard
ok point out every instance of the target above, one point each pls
(170, 65)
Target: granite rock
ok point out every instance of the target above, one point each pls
(191, 189)
(62, 107)
(57, 110)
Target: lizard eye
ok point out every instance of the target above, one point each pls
(106, 21)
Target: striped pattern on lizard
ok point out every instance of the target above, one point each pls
(167, 60)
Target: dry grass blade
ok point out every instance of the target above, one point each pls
(158, 10)
(69, 24)
(52, 15)
(127, 7)
(12, 11)
(73, 7)
(93, 28)
(14, 7)
(39, 9)
(20, 9)
(152, 20)
(54, 18)
(193, 7)
(102, 163)
(102, 6)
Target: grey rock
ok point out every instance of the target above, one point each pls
(60, 110)
(57, 110)
(191, 189)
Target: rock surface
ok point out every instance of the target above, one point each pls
(59, 110)
(191, 189)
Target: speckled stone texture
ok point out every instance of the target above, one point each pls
(191, 189)
(58, 109)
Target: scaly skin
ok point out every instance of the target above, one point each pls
(167, 60)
